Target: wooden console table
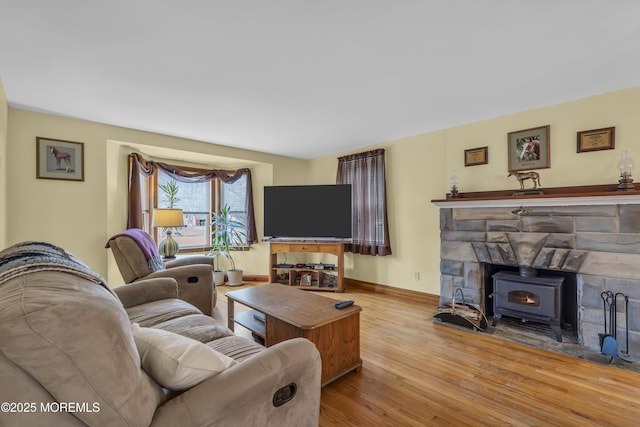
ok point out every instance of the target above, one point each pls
(316, 275)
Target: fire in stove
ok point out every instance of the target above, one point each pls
(524, 298)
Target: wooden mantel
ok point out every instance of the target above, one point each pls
(606, 194)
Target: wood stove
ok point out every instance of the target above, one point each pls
(527, 296)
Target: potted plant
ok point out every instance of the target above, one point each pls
(218, 275)
(170, 190)
(227, 233)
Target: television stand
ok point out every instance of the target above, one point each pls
(308, 278)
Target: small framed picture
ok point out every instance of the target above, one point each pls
(529, 149)
(596, 140)
(305, 280)
(476, 156)
(59, 159)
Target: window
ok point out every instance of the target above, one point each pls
(196, 201)
(234, 195)
(144, 184)
(197, 192)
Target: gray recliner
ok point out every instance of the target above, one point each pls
(194, 274)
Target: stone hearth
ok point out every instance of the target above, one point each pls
(600, 243)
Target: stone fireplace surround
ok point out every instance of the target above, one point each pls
(597, 238)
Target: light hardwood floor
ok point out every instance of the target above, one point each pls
(420, 373)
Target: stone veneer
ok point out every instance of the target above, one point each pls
(601, 244)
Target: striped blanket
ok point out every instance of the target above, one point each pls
(29, 257)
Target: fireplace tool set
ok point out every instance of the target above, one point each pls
(609, 339)
(461, 313)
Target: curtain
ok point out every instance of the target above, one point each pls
(139, 166)
(366, 174)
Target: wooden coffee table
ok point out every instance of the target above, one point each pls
(291, 313)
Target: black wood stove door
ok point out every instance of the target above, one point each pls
(528, 298)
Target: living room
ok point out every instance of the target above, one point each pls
(80, 209)
(96, 208)
(80, 216)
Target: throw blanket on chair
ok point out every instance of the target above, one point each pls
(146, 244)
(29, 257)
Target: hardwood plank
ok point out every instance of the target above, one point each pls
(417, 372)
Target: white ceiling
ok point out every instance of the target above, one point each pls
(308, 78)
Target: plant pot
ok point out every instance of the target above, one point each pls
(218, 277)
(235, 277)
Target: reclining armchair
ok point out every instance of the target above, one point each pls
(73, 353)
(137, 258)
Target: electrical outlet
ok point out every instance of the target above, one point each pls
(416, 275)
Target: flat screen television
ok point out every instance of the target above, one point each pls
(308, 211)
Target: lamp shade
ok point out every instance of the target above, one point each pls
(168, 218)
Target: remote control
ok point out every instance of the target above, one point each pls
(343, 304)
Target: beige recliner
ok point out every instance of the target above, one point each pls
(69, 355)
(194, 274)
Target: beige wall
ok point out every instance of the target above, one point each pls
(620, 109)
(414, 176)
(418, 170)
(4, 112)
(80, 216)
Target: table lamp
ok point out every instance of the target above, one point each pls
(168, 218)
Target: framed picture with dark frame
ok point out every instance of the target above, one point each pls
(529, 149)
(59, 159)
(596, 140)
(476, 156)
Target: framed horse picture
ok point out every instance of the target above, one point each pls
(59, 159)
(529, 149)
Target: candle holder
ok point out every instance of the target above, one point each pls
(453, 181)
(626, 164)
